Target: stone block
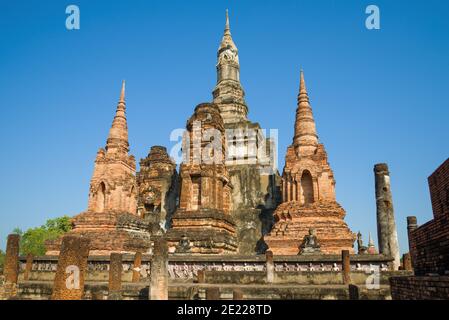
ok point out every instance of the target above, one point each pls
(72, 266)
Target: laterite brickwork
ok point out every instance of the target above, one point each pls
(419, 288)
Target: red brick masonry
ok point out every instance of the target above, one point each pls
(429, 243)
(419, 288)
(429, 247)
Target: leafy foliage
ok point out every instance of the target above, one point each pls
(33, 240)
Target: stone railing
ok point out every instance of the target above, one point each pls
(186, 267)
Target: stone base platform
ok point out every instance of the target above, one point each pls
(41, 290)
(185, 291)
(295, 277)
(208, 231)
(294, 220)
(108, 232)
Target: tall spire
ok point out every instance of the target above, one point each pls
(227, 42)
(122, 93)
(118, 134)
(227, 30)
(306, 138)
(370, 241)
(228, 92)
(302, 85)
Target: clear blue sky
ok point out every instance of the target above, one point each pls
(377, 96)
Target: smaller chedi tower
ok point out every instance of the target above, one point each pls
(308, 193)
(157, 184)
(111, 221)
(113, 183)
(203, 224)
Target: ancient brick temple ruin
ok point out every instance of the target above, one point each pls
(134, 205)
(253, 174)
(224, 216)
(203, 221)
(238, 204)
(158, 187)
(111, 221)
(308, 192)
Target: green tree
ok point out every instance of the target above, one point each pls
(33, 240)
(61, 224)
(17, 231)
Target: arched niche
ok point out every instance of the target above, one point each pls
(307, 187)
(100, 198)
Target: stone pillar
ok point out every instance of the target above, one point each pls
(346, 267)
(201, 276)
(213, 293)
(11, 266)
(115, 276)
(407, 262)
(136, 266)
(412, 224)
(270, 266)
(284, 190)
(386, 226)
(237, 294)
(159, 270)
(294, 193)
(72, 265)
(316, 189)
(28, 267)
(298, 189)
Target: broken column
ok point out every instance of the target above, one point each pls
(386, 226)
(72, 266)
(159, 271)
(11, 267)
(412, 225)
(346, 266)
(28, 267)
(270, 266)
(406, 262)
(115, 276)
(136, 266)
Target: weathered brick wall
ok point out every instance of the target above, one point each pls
(429, 247)
(419, 288)
(429, 243)
(439, 190)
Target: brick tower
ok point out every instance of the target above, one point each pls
(202, 224)
(308, 192)
(111, 221)
(113, 183)
(158, 187)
